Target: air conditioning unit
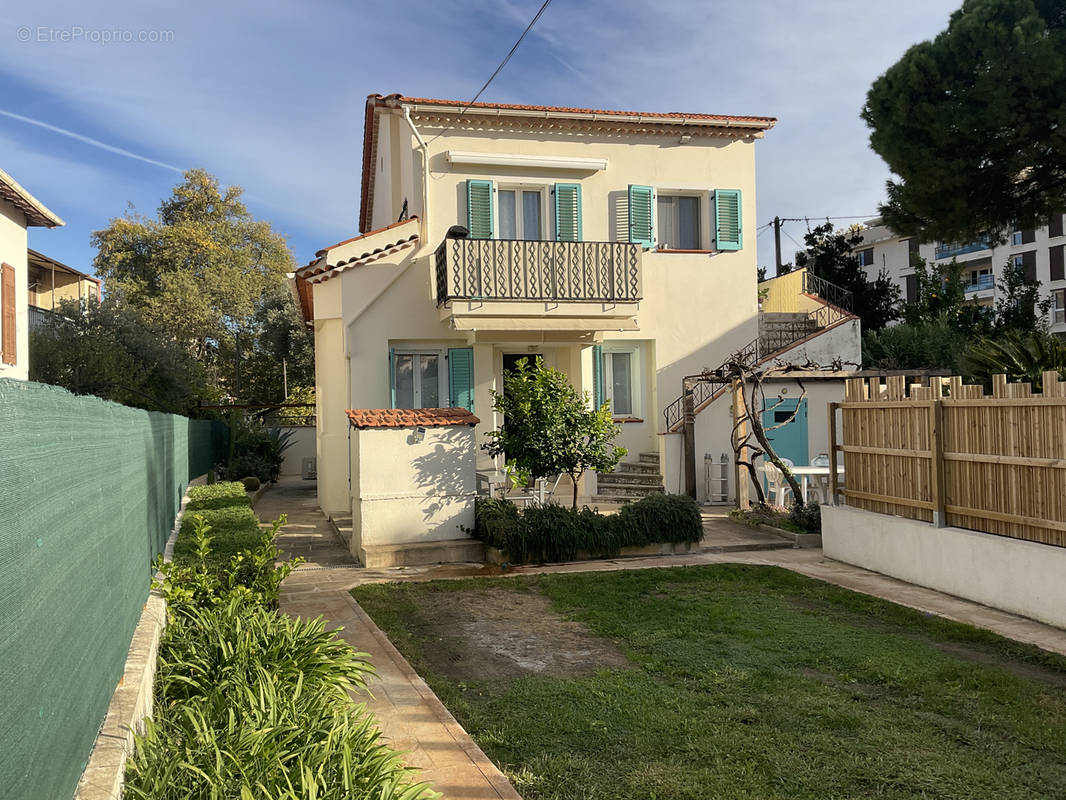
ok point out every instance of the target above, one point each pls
(310, 468)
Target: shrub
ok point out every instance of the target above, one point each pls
(258, 451)
(553, 533)
(251, 484)
(255, 704)
(808, 517)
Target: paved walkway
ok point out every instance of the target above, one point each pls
(413, 720)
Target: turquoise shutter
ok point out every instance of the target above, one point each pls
(479, 216)
(727, 223)
(599, 391)
(641, 215)
(392, 379)
(568, 212)
(461, 377)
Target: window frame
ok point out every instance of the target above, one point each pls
(546, 233)
(636, 389)
(443, 388)
(1058, 306)
(702, 216)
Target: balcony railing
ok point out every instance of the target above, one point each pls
(39, 317)
(952, 249)
(982, 283)
(494, 269)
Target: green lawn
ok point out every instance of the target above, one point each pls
(729, 682)
(234, 526)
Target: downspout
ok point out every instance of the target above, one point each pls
(423, 225)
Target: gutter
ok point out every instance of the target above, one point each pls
(424, 215)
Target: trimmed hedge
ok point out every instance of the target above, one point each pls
(217, 495)
(549, 533)
(234, 526)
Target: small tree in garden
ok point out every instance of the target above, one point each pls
(548, 427)
(749, 434)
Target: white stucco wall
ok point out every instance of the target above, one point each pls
(13, 251)
(1009, 574)
(407, 492)
(302, 444)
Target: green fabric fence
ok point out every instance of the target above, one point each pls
(88, 495)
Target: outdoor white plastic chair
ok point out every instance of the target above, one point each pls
(777, 488)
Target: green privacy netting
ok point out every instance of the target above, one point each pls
(88, 494)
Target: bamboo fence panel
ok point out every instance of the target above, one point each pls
(946, 453)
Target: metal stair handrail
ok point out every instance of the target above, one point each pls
(829, 292)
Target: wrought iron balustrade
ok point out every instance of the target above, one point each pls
(830, 292)
(495, 269)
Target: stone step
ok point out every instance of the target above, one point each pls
(635, 467)
(630, 478)
(627, 490)
(649, 458)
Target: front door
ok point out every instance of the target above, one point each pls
(790, 440)
(510, 360)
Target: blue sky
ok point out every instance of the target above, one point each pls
(270, 95)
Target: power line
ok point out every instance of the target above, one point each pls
(503, 64)
(819, 216)
(800, 246)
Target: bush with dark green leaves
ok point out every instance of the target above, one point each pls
(551, 533)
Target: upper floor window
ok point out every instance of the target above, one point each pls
(866, 257)
(1058, 305)
(679, 222)
(521, 212)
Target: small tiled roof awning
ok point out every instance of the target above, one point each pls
(409, 417)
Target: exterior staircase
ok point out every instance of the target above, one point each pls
(779, 330)
(630, 480)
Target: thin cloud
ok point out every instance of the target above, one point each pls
(90, 141)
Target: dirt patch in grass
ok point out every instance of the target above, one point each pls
(1033, 672)
(497, 633)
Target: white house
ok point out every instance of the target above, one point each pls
(1039, 251)
(617, 246)
(18, 210)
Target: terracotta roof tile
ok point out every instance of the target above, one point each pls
(672, 115)
(409, 417)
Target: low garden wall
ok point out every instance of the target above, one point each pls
(1021, 577)
(90, 492)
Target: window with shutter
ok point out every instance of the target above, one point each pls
(727, 220)
(599, 391)
(461, 378)
(568, 212)
(912, 288)
(1058, 272)
(479, 216)
(641, 215)
(7, 301)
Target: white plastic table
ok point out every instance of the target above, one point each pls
(820, 474)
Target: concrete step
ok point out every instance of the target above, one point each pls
(649, 458)
(783, 317)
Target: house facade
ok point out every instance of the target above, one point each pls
(51, 282)
(1040, 252)
(18, 210)
(617, 247)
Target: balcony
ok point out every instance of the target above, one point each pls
(953, 249)
(981, 283)
(491, 284)
(39, 317)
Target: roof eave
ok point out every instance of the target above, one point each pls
(37, 214)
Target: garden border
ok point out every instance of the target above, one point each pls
(134, 696)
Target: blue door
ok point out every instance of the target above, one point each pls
(789, 441)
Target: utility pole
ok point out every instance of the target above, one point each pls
(285, 378)
(777, 245)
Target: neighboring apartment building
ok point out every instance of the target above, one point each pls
(619, 247)
(18, 210)
(50, 282)
(1039, 252)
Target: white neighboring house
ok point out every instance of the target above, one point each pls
(616, 246)
(19, 210)
(1039, 251)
